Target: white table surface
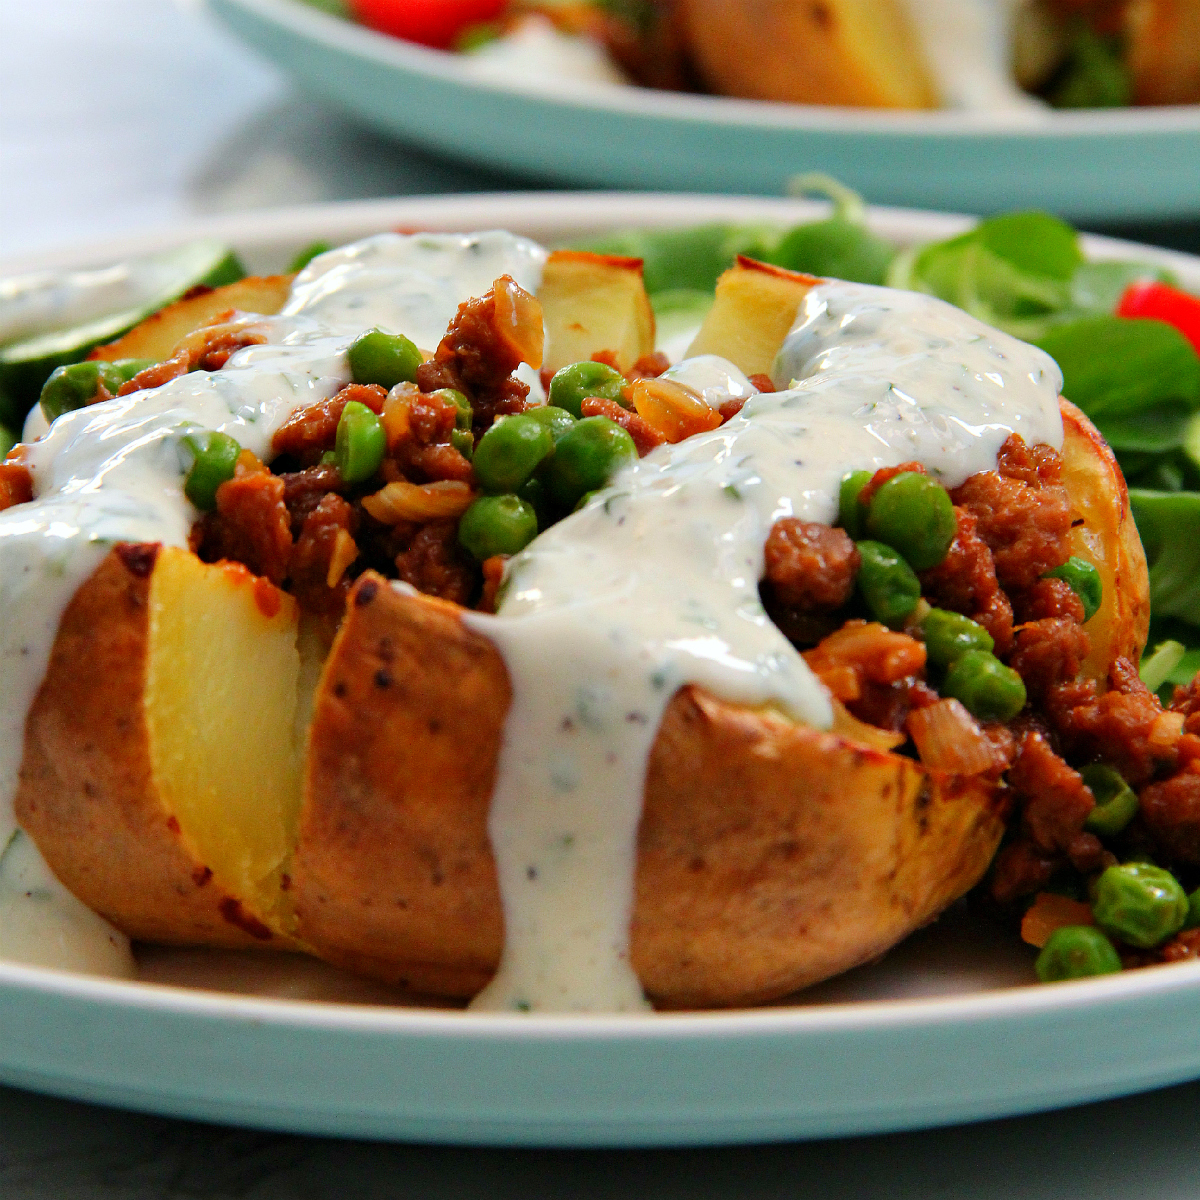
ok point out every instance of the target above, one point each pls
(124, 115)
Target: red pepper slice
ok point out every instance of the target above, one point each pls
(431, 22)
(1163, 303)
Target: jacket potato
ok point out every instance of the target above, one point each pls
(212, 789)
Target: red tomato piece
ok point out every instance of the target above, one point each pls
(1163, 303)
(431, 22)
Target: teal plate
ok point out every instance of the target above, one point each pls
(774, 1074)
(1104, 165)
(946, 1028)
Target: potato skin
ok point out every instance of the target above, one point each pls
(1108, 538)
(769, 855)
(86, 792)
(393, 872)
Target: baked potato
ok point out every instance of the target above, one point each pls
(210, 789)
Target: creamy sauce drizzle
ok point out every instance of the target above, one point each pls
(537, 56)
(968, 50)
(654, 584)
(114, 472)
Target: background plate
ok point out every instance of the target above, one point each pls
(944, 1029)
(1102, 165)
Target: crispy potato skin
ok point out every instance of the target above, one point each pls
(1108, 538)
(86, 793)
(393, 872)
(769, 855)
(157, 336)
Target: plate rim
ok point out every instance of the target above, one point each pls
(630, 100)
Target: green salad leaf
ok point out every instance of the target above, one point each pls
(836, 247)
(1094, 74)
(686, 258)
(1115, 367)
(1012, 271)
(1097, 287)
(1169, 524)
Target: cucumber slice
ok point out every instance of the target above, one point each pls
(53, 318)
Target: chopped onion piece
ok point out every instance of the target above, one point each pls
(403, 501)
(519, 319)
(672, 408)
(949, 739)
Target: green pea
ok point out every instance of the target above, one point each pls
(360, 443)
(465, 416)
(572, 385)
(557, 420)
(463, 440)
(215, 456)
(383, 358)
(1076, 952)
(497, 525)
(533, 491)
(913, 514)
(307, 255)
(510, 452)
(1084, 580)
(585, 458)
(990, 690)
(1116, 801)
(887, 583)
(948, 635)
(1192, 920)
(127, 368)
(1140, 904)
(74, 386)
(8, 440)
(852, 515)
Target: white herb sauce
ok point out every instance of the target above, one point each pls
(968, 51)
(653, 585)
(114, 472)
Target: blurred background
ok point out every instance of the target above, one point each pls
(127, 115)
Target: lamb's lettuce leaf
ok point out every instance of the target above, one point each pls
(1169, 524)
(1115, 367)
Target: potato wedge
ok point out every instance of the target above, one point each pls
(157, 336)
(754, 307)
(165, 795)
(1107, 537)
(862, 53)
(770, 855)
(594, 302)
